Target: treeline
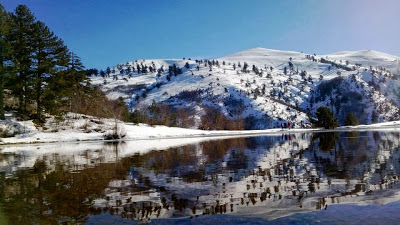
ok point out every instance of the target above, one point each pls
(40, 73)
(162, 114)
(213, 119)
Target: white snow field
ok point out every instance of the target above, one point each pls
(80, 128)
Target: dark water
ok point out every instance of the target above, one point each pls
(325, 178)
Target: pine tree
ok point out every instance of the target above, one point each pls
(138, 68)
(291, 65)
(76, 68)
(50, 55)
(351, 120)
(102, 73)
(92, 72)
(245, 65)
(108, 71)
(66, 89)
(144, 69)
(5, 50)
(326, 119)
(21, 38)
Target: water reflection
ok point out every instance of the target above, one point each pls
(268, 177)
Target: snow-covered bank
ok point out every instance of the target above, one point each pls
(79, 128)
(375, 125)
(134, 132)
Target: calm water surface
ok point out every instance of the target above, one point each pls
(325, 178)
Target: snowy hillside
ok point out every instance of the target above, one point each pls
(263, 87)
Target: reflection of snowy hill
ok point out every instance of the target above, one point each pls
(269, 177)
(289, 177)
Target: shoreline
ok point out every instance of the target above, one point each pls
(192, 133)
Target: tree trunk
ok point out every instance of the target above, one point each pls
(38, 89)
(25, 95)
(38, 94)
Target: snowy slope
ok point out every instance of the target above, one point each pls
(368, 58)
(270, 94)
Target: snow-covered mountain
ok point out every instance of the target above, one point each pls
(269, 86)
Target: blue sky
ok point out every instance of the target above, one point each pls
(104, 32)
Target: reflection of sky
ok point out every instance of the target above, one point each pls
(335, 214)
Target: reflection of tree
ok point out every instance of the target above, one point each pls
(331, 170)
(166, 160)
(39, 196)
(3, 217)
(353, 136)
(194, 176)
(177, 159)
(327, 140)
(237, 160)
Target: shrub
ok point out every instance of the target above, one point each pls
(194, 95)
(6, 132)
(351, 120)
(85, 127)
(118, 132)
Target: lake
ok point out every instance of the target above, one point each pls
(302, 178)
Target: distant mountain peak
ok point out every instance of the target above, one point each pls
(259, 51)
(364, 53)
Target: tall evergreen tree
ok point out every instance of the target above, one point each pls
(102, 73)
(5, 51)
(50, 55)
(108, 71)
(326, 119)
(21, 38)
(76, 72)
(65, 87)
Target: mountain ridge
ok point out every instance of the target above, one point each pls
(275, 87)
